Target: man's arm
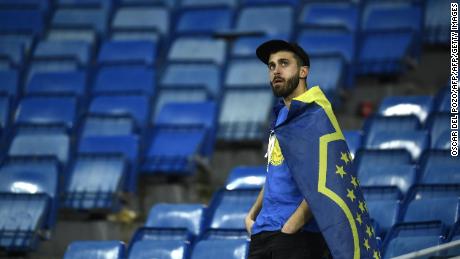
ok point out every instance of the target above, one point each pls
(254, 211)
(298, 219)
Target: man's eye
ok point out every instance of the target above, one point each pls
(284, 63)
(271, 67)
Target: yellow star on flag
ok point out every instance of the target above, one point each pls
(376, 255)
(340, 171)
(369, 231)
(354, 181)
(358, 218)
(366, 244)
(344, 157)
(351, 195)
(361, 207)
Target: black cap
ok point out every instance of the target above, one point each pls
(267, 48)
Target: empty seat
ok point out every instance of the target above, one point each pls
(406, 238)
(439, 167)
(246, 73)
(331, 81)
(107, 125)
(246, 177)
(192, 115)
(9, 82)
(376, 124)
(236, 122)
(420, 106)
(78, 17)
(204, 21)
(26, 4)
(197, 49)
(177, 95)
(194, 75)
(41, 142)
(354, 140)
(440, 131)
(127, 145)
(28, 201)
(209, 3)
(224, 249)
(344, 15)
(63, 82)
(94, 182)
(405, 17)
(187, 217)
(253, 19)
(74, 51)
(415, 142)
(83, 34)
(12, 52)
(135, 106)
(125, 80)
(128, 52)
(95, 249)
(229, 208)
(47, 110)
(150, 21)
(402, 176)
(167, 249)
(368, 159)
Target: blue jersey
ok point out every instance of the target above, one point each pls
(281, 194)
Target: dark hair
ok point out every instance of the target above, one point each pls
(300, 62)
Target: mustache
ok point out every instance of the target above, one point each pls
(278, 78)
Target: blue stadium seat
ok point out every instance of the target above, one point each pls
(192, 115)
(209, 3)
(246, 177)
(21, 39)
(237, 123)
(294, 3)
(107, 125)
(405, 16)
(47, 110)
(378, 123)
(125, 80)
(39, 5)
(95, 182)
(401, 176)
(68, 33)
(439, 167)
(41, 142)
(166, 249)
(420, 106)
(74, 51)
(9, 82)
(431, 209)
(28, 201)
(384, 205)
(102, 4)
(143, 21)
(410, 237)
(228, 209)
(332, 15)
(328, 72)
(63, 82)
(95, 249)
(224, 249)
(204, 21)
(253, 19)
(244, 73)
(95, 19)
(442, 100)
(354, 140)
(171, 4)
(188, 217)
(366, 159)
(193, 75)
(197, 49)
(244, 47)
(172, 151)
(176, 95)
(436, 23)
(415, 142)
(128, 52)
(135, 106)
(128, 145)
(5, 107)
(440, 131)
(22, 21)
(12, 52)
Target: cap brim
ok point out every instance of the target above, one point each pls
(265, 49)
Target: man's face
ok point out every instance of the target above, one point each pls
(284, 73)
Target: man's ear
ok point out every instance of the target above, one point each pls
(303, 72)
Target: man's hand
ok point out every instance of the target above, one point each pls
(298, 219)
(248, 222)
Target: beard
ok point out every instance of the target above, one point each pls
(287, 88)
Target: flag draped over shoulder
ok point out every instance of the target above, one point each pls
(317, 156)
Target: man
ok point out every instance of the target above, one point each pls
(303, 210)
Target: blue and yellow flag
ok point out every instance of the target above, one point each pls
(317, 155)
